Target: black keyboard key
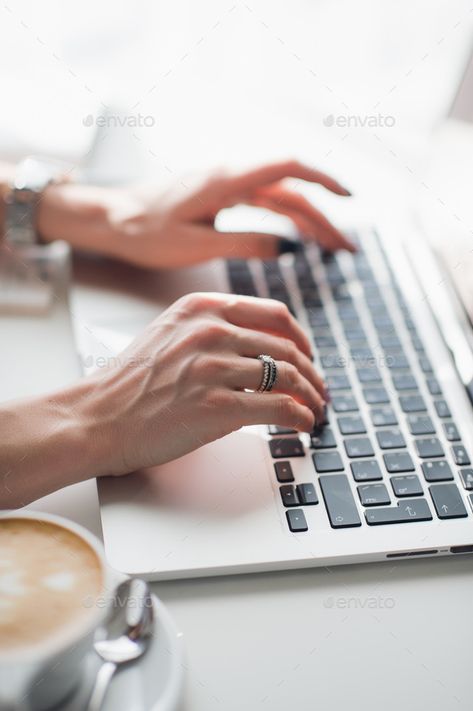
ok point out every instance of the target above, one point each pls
(322, 340)
(390, 439)
(347, 311)
(408, 485)
(406, 511)
(451, 432)
(375, 396)
(404, 381)
(327, 462)
(460, 455)
(344, 403)
(467, 478)
(288, 495)
(356, 337)
(341, 293)
(324, 439)
(351, 424)
(437, 471)
(341, 507)
(427, 448)
(288, 447)
(425, 364)
(373, 495)
(358, 447)
(383, 416)
(369, 375)
(296, 520)
(398, 462)
(317, 317)
(307, 494)
(420, 425)
(448, 501)
(283, 472)
(362, 356)
(337, 382)
(333, 359)
(277, 430)
(396, 361)
(383, 324)
(366, 471)
(442, 408)
(434, 386)
(417, 343)
(412, 403)
(389, 340)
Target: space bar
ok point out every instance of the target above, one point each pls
(341, 507)
(407, 511)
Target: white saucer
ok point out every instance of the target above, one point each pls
(153, 683)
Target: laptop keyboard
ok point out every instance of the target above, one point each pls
(387, 411)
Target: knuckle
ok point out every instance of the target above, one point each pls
(215, 332)
(199, 301)
(191, 303)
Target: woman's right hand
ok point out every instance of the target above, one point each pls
(183, 382)
(179, 385)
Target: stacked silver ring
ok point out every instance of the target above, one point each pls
(270, 373)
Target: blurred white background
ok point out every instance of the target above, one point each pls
(226, 81)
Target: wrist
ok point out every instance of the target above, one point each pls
(82, 215)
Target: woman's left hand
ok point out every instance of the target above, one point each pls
(177, 228)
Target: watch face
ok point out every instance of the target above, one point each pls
(35, 173)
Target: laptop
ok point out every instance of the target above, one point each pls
(389, 475)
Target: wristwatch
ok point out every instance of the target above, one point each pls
(33, 175)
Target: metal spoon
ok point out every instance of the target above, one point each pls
(126, 634)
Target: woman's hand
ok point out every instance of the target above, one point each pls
(177, 228)
(182, 383)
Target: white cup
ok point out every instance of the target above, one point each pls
(38, 678)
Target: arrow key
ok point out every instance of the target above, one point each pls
(448, 501)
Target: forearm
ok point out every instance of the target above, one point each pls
(48, 443)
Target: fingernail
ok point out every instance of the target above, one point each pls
(287, 246)
(347, 193)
